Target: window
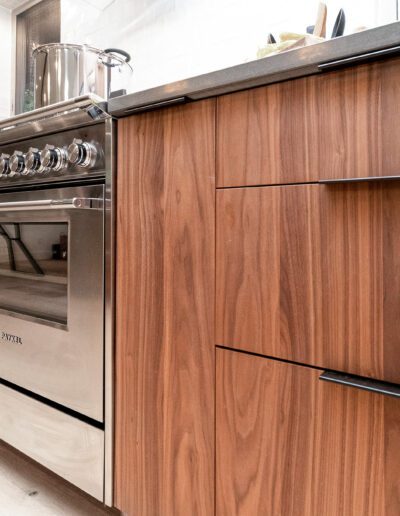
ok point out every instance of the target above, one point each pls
(37, 25)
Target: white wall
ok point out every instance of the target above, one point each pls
(5, 63)
(176, 39)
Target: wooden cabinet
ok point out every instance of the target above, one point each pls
(164, 421)
(334, 125)
(311, 273)
(289, 444)
(295, 272)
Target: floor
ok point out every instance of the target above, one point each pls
(27, 489)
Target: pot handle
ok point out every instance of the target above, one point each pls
(118, 51)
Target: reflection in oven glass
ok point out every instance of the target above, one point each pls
(34, 270)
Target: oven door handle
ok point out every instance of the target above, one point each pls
(80, 203)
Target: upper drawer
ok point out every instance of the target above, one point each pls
(311, 273)
(336, 125)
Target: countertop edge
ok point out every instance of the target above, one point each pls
(288, 65)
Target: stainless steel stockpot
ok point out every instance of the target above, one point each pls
(65, 71)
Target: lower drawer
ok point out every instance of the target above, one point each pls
(290, 444)
(65, 445)
(311, 274)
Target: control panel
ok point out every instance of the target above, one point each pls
(65, 155)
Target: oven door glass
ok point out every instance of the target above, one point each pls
(34, 270)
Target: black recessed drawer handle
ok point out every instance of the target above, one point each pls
(359, 382)
(358, 180)
(360, 59)
(157, 105)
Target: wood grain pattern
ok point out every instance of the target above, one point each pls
(334, 125)
(165, 313)
(311, 273)
(289, 444)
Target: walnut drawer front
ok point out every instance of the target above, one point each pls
(289, 444)
(340, 124)
(311, 274)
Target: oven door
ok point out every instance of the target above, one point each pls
(51, 295)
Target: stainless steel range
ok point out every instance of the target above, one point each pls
(56, 263)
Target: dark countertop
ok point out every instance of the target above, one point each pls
(288, 65)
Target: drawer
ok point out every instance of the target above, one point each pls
(311, 274)
(290, 444)
(340, 124)
(67, 446)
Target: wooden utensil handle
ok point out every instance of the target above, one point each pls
(320, 24)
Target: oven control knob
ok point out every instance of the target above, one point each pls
(17, 164)
(54, 158)
(4, 165)
(82, 154)
(32, 161)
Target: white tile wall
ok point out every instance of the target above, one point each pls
(175, 39)
(5, 62)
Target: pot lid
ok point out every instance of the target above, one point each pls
(110, 57)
